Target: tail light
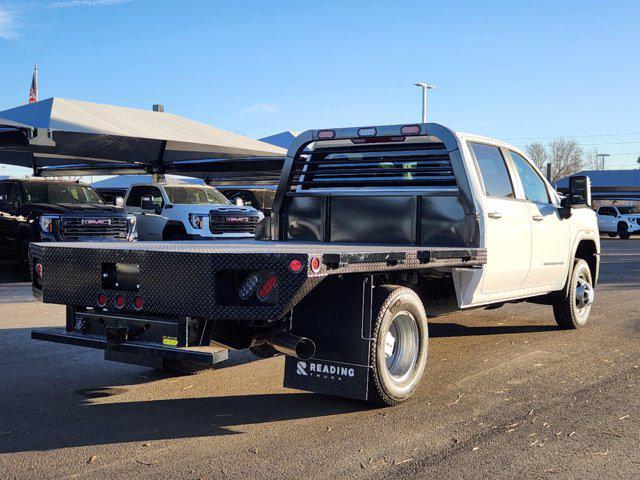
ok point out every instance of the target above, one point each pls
(267, 287)
(295, 265)
(102, 300)
(315, 264)
(138, 303)
(39, 269)
(120, 301)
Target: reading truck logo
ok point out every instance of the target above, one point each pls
(321, 370)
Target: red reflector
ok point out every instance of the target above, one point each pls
(138, 303)
(295, 265)
(119, 301)
(315, 264)
(39, 269)
(326, 134)
(410, 130)
(102, 300)
(267, 287)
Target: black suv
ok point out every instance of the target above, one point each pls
(37, 210)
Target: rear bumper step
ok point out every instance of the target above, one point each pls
(138, 353)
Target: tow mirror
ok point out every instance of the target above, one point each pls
(579, 195)
(146, 203)
(580, 190)
(119, 202)
(239, 202)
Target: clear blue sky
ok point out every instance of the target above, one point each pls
(506, 69)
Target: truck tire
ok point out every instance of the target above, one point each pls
(398, 346)
(23, 258)
(623, 231)
(185, 367)
(571, 309)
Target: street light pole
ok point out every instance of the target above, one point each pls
(425, 87)
(603, 155)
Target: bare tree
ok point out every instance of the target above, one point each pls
(538, 154)
(591, 160)
(566, 157)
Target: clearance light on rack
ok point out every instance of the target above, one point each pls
(410, 130)
(326, 135)
(367, 132)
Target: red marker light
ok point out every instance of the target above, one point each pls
(267, 287)
(39, 269)
(326, 134)
(410, 130)
(138, 303)
(120, 301)
(315, 264)
(295, 265)
(102, 300)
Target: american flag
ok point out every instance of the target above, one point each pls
(33, 91)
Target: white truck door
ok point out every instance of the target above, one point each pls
(148, 223)
(549, 232)
(607, 219)
(507, 225)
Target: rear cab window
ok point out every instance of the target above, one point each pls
(493, 171)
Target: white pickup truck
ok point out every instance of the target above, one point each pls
(181, 211)
(373, 231)
(619, 220)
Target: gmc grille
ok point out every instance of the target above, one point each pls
(73, 228)
(233, 222)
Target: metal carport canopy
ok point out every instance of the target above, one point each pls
(59, 136)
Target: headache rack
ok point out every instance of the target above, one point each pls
(397, 185)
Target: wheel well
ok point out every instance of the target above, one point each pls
(172, 229)
(622, 223)
(587, 251)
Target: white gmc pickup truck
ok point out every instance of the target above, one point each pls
(373, 231)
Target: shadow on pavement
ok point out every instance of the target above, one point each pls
(456, 330)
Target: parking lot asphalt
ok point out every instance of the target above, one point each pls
(506, 395)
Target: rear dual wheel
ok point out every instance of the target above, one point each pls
(399, 344)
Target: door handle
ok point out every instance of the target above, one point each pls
(538, 218)
(495, 215)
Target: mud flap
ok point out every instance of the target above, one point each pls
(336, 315)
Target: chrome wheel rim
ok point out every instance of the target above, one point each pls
(584, 295)
(401, 347)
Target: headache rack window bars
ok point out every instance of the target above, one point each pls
(369, 166)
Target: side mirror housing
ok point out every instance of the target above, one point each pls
(580, 190)
(119, 202)
(239, 202)
(146, 203)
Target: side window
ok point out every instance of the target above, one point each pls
(134, 196)
(534, 187)
(493, 169)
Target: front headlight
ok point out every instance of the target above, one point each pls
(47, 222)
(132, 230)
(196, 220)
